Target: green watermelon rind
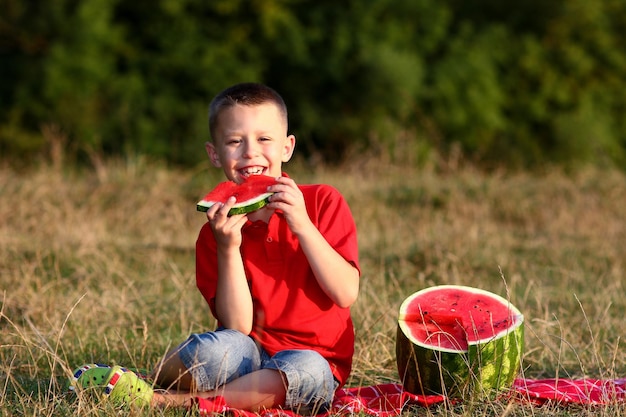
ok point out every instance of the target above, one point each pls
(459, 374)
(243, 207)
(487, 367)
(495, 364)
(438, 372)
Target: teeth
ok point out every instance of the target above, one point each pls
(252, 171)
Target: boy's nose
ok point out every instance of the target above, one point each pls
(251, 149)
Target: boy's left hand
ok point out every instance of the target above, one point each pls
(288, 198)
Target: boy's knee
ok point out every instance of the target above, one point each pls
(216, 358)
(310, 382)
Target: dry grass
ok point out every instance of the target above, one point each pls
(98, 266)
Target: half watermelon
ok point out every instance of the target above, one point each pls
(251, 194)
(455, 341)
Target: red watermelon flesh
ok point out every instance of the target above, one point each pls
(250, 195)
(451, 319)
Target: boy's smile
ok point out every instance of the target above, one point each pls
(251, 140)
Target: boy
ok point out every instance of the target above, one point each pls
(279, 280)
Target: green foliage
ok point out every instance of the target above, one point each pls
(530, 83)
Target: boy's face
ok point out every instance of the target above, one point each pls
(251, 140)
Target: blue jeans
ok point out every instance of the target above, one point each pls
(216, 358)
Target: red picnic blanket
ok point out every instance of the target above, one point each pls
(387, 400)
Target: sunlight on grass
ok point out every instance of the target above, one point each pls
(98, 266)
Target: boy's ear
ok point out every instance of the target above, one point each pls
(213, 155)
(289, 147)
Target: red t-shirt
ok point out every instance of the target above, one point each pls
(291, 311)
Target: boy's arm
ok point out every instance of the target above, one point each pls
(337, 277)
(233, 301)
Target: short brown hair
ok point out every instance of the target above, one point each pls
(247, 94)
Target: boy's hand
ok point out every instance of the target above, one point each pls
(288, 198)
(227, 230)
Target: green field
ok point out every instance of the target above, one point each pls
(98, 266)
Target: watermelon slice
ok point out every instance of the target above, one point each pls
(251, 194)
(454, 340)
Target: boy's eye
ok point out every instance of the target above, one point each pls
(263, 138)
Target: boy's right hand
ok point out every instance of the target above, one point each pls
(226, 230)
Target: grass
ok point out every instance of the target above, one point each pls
(98, 266)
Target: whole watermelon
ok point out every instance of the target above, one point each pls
(457, 341)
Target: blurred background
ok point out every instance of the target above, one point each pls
(504, 84)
